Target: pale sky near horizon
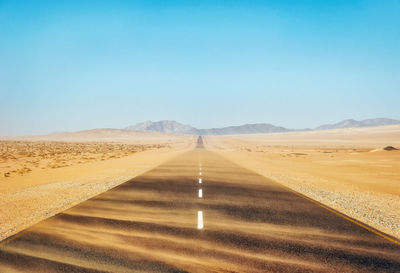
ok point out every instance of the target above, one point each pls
(74, 65)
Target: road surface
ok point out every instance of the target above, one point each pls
(199, 213)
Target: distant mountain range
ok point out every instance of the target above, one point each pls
(351, 123)
(171, 126)
(165, 126)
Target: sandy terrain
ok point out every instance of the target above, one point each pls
(149, 224)
(21, 157)
(43, 175)
(105, 135)
(345, 169)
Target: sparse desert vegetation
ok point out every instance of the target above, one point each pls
(22, 157)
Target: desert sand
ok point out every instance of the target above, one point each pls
(346, 169)
(105, 135)
(43, 175)
(149, 224)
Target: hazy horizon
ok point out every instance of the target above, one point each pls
(221, 127)
(69, 66)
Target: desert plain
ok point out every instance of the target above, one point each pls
(346, 169)
(243, 221)
(127, 201)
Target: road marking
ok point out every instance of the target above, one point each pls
(200, 193)
(200, 181)
(200, 224)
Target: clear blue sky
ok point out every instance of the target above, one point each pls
(72, 65)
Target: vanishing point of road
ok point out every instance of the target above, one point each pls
(199, 213)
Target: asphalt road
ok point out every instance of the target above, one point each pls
(159, 222)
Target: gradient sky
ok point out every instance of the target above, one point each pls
(73, 65)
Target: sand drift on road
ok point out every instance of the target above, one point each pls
(151, 224)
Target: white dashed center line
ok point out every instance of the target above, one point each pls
(200, 224)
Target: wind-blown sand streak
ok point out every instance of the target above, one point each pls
(346, 169)
(148, 224)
